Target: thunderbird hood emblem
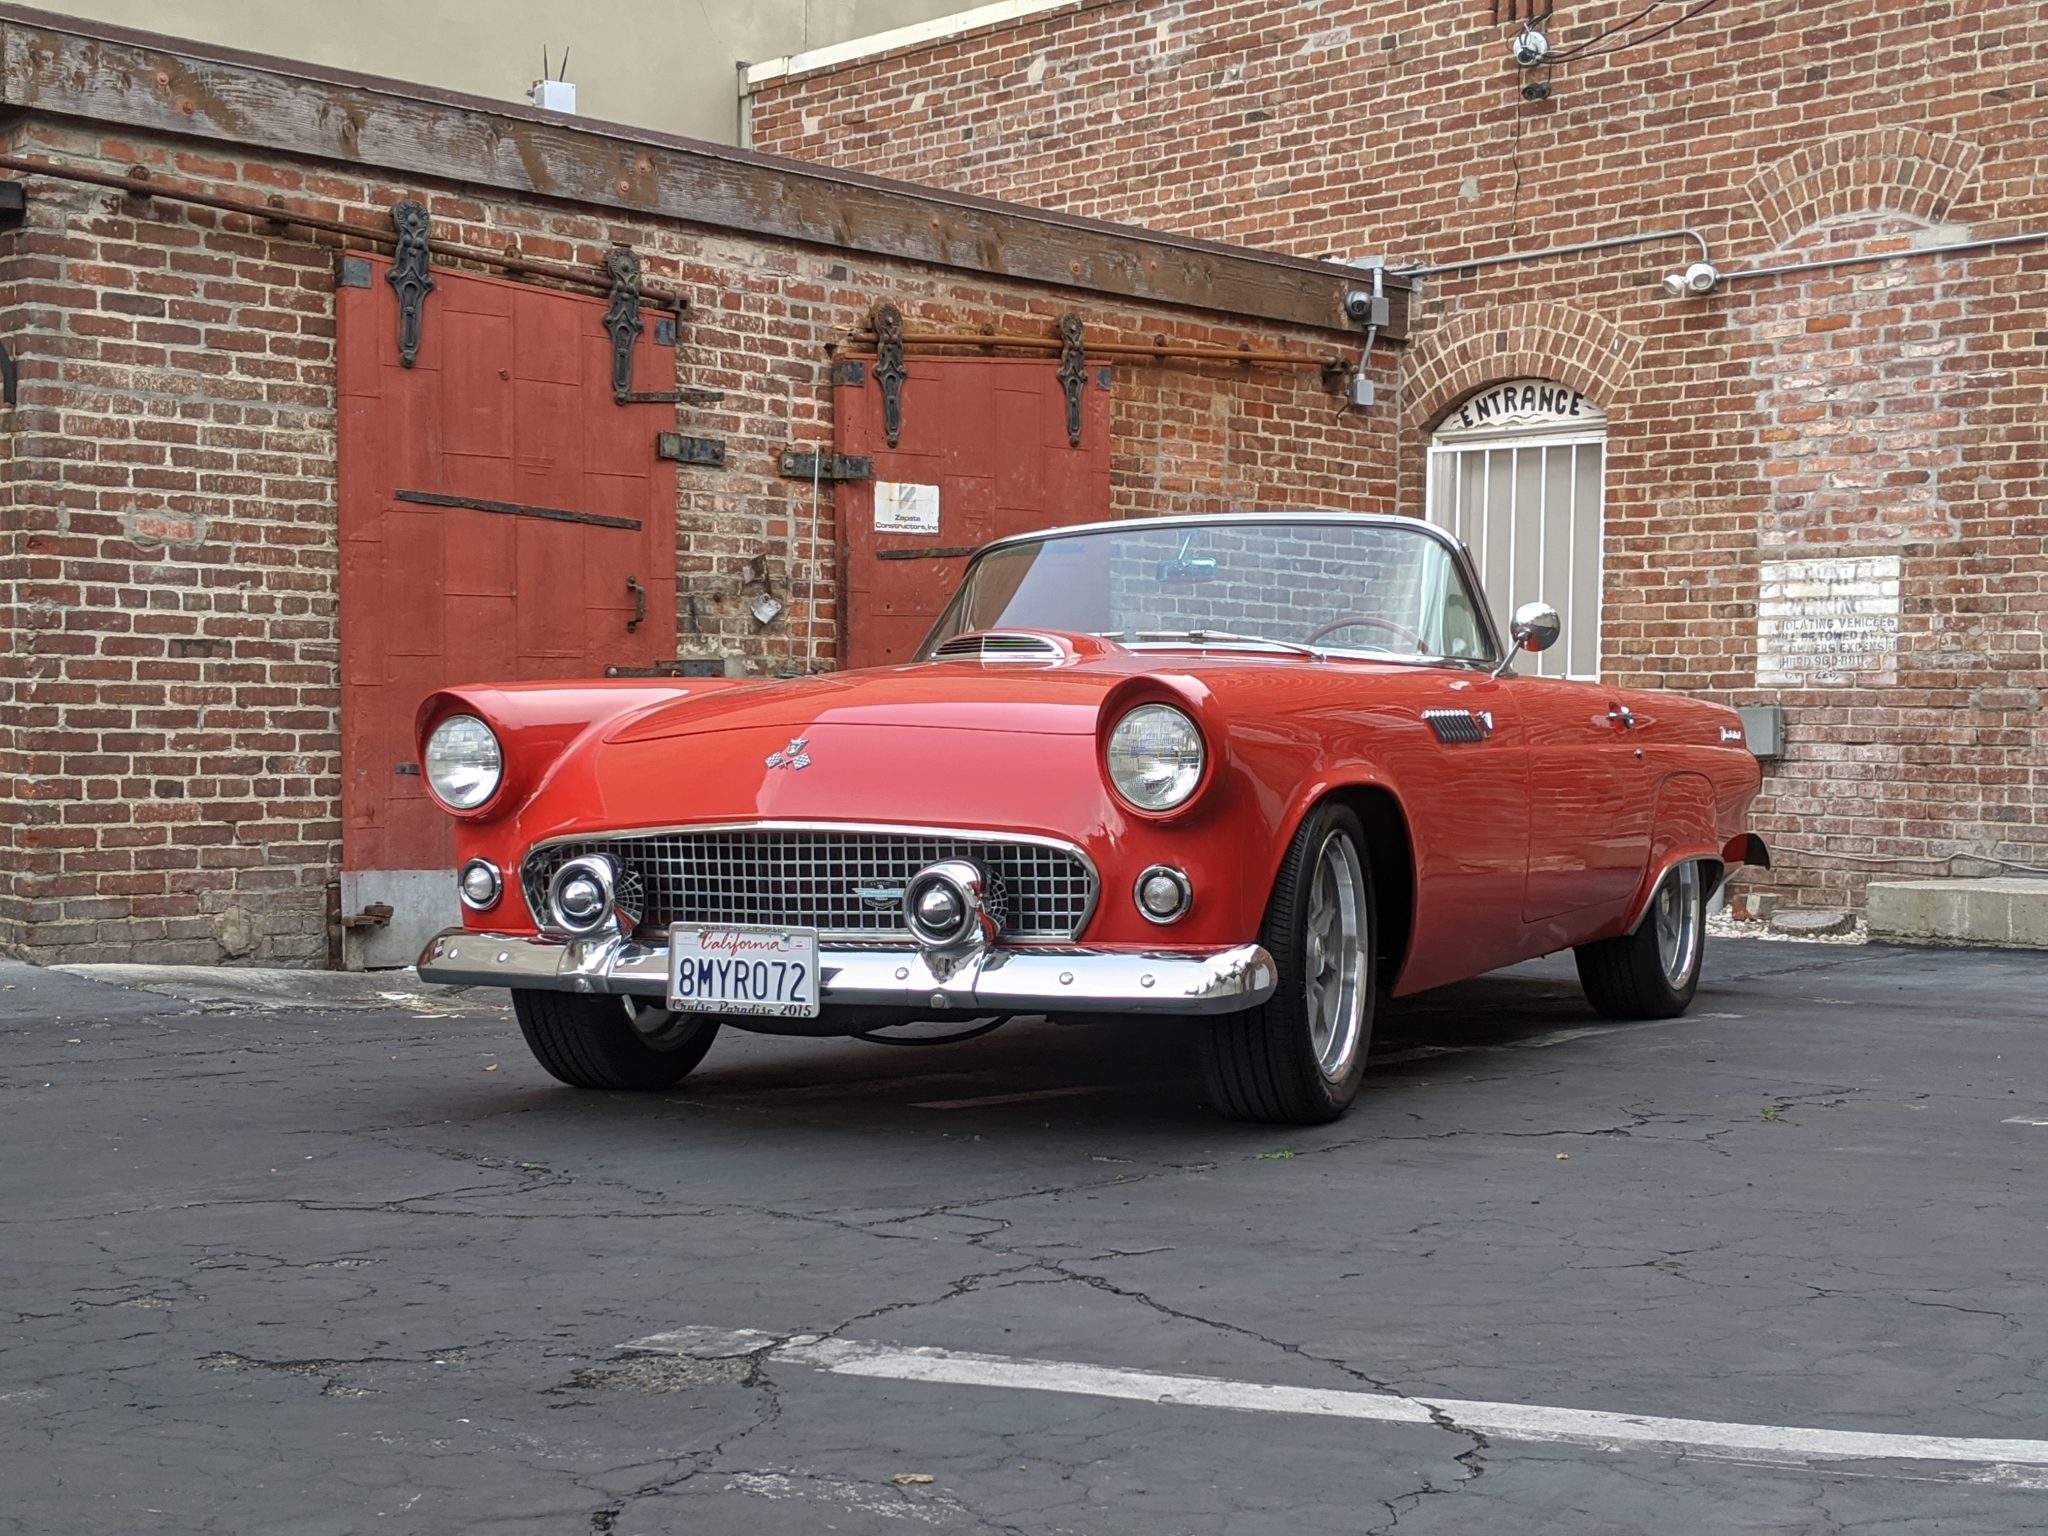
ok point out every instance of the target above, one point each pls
(792, 757)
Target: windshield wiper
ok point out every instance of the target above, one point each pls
(1208, 636)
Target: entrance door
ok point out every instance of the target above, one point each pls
(983, 452)
(501, 519)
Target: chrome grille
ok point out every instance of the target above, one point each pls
(815, 877)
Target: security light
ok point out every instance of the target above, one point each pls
(1702, 278)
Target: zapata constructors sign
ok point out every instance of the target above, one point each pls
(1825, 623)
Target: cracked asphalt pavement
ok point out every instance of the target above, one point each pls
(283, 1268)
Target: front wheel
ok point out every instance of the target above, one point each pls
(611, 1042)
(1653, 972)
(1298, 1058)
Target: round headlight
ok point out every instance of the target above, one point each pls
(1155, 757)
(463, 764)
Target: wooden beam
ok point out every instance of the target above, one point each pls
(158, 85)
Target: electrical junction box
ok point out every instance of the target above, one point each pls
(1763, 727)
(554, 95)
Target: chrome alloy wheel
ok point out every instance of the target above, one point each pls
(1678, 924)
(659, 1029)
(1335, 959)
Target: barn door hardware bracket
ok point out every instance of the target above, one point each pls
(375, 915)
(798, 465)
(889, 370)
(689, 666)
(670, 397)
(410, 276)
(678, 449)
(10, 380)
(639, 596)
(622, 317)
(13, 205)
(1073, 373)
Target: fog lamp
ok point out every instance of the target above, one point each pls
(1163, 894)
(480, 885)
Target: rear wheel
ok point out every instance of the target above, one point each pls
(1298, 1058)
(1653, 972)
(611, 1042)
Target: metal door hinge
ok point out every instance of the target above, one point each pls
(708, 451)
(797, 465)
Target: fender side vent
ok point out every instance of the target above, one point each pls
(1000, 645)
(1459, 725)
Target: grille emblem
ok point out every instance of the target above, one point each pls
(792, 757)
(880, 895)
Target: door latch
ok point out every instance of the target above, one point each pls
(1621, 715)
(639, 603)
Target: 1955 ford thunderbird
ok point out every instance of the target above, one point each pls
(1253, 771)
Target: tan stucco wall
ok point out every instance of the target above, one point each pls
(662, 64)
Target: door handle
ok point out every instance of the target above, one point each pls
(1621, 715)
(639, 603)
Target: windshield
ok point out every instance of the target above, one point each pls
(1340, 585)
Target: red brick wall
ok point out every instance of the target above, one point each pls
(169, 751)
(1891, 409)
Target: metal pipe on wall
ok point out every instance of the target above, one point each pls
(1582, 247)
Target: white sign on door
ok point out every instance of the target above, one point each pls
(904, 508)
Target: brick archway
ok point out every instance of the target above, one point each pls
(1896, 170)
(1533, 340)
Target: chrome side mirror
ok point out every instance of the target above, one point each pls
(1535, 627)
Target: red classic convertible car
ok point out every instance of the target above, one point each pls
(1249, 770)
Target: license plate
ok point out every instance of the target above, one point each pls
(764, 972)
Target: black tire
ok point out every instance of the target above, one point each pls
(1264, 1064)
(590, 1042)
(1634, 976)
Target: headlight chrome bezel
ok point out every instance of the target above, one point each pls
(486, 757)
(1186, 780)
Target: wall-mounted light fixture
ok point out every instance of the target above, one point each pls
(1701, 278)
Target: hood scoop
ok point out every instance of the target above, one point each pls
(1002, 645)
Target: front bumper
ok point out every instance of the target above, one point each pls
(1065, 980)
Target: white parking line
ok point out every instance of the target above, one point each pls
(1779, 1443)
(2024, 1120)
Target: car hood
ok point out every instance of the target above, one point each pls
(965, 696)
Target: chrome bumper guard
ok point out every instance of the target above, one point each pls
(1066, 980)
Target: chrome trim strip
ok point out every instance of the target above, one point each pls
(964, 834)
(981, 981)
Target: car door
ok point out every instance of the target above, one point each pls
(1589, 797)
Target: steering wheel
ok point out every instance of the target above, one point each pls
(1351, 620)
